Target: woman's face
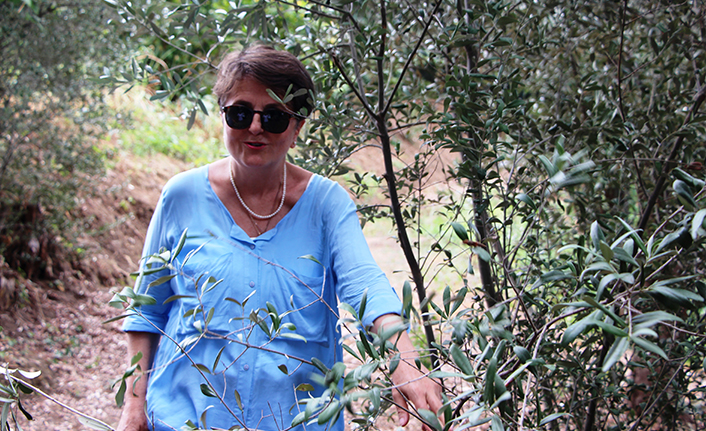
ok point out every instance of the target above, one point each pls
(253, 146)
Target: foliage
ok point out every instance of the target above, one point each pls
(155, 127)
(50, 117)
(570, 121)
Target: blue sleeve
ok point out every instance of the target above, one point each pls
(354, 266)
(154, 317)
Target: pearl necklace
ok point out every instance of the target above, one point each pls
(247, 208)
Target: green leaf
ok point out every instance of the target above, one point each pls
(496, 424)
(678, 295)
(351, 351)
(320, 365)
(430, 418)
(688, 179)
(363, 303)
(635, 237)
(617, 350)
(202, 368)
(218, 358)
(311, 258)
(684, 194)
(698, 224)
(649, 346)
(29, 374)
(576, 329)
(175, 297)
(482, 253)
(460, 296)
(347, 307)
(607, 327)
(461, 360)
(503, 396)
(552, 417)
(548, 165)
(407, 297)
(304, 387)
(447, 299)
(522, 354)
(596, 235)
(605, 309)
(394, 363)
(331, 412)
(489, 388)
(293, 336)
(161, 280)
(554, 275)
(522, 197)
(299, 419)
(623, 255)
(606, 251)
(95, 424)
(460, 231)
(206, 390)
(140, 300)
(283, 369)
(180, 245)
(120, 394)
(651, 318)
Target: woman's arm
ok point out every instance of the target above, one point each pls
(133, 416)
(412, 384)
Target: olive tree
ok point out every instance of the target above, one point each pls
(577, 197)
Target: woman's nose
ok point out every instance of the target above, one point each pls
(256, 125)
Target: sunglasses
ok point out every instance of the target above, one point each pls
(272, 120)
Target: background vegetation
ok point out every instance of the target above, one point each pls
(579, 144)
(51, 115)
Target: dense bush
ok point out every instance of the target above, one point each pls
(51, 115)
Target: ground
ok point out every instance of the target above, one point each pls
(60, 329)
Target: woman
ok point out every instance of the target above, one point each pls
(257, 216)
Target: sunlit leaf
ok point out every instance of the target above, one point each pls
(617, 350)
(430, 418)
(552, 417)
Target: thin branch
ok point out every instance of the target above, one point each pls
(669, 165)
(409, 60)
(352, 85)
(316, 12)
(654, 402)
(380, 66)
(620, 62)
(54, 400)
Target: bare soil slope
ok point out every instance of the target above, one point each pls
(59, 329)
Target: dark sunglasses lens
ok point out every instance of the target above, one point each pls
(274, 120)
(239, 117)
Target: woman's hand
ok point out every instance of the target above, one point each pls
(411, 384)
(133, 420)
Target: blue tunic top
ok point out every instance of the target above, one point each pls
(245, 362)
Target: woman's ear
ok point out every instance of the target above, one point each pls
(300, 124)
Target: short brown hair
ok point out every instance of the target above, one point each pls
(274, 69)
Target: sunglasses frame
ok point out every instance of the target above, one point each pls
(266, 125)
